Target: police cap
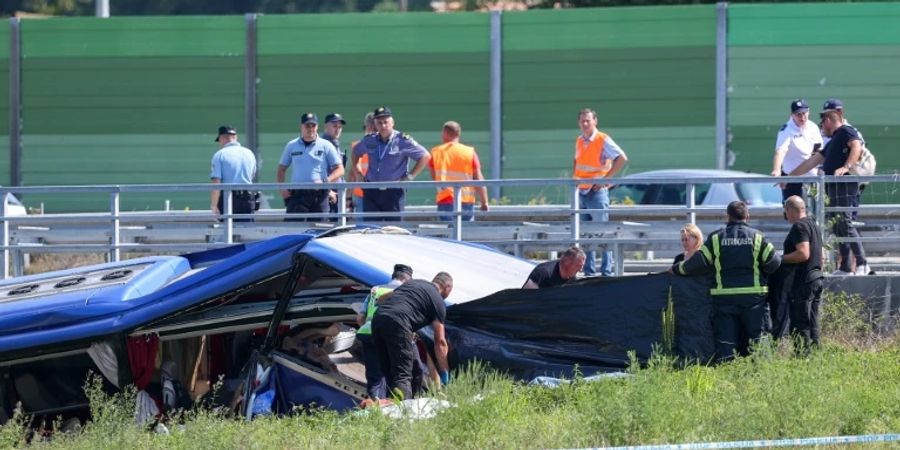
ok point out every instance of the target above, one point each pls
(335, 117)
(382, 111)
(309, 118)
(403, 268)
(799, 106)
(833, 103)
(225, 129)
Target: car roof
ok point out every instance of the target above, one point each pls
(692, 173)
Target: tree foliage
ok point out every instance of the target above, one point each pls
(224, 7)
(206, 7)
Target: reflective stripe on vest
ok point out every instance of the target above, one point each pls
(587, 159)
(376, 292)
(756, 288)
(453, 162)
(362, 164)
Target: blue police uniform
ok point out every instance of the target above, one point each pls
(843, 194)
(388, 161)
(309, 162)
(235, 164)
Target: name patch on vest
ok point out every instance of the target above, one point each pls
(734, 242)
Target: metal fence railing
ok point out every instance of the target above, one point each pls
(549, 227)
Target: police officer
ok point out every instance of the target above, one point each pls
(232, 164)
(840, 154)
(803, 257)
(375, 383)
(311, 159)
(389, 152)
(334, 126)
(410, 307)
(741, 259)
(795, 142)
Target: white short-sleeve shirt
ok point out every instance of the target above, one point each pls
(798, 143)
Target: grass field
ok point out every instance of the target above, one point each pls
(850, 386)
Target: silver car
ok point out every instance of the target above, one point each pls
(706, 194)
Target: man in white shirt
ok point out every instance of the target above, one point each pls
(796, 142)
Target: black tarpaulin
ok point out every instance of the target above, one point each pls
(592, 324)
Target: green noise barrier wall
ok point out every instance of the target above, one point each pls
(137, 99)
(814, 51)
(427, 68)
(648, 72)
(127, 100)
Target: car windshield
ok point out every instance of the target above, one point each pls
(759, 193)
(656, 194)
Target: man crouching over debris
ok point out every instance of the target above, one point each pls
(412, 306)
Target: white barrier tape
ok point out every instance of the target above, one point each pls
(827, 440)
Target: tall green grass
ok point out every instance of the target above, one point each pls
(839, 389)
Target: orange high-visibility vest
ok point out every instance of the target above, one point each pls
(587, 159)
(363, 165)
(453, 162)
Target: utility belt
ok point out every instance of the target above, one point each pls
(243, 195)
(307, 192)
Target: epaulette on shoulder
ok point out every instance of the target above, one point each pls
(406, 136)
(783, 127)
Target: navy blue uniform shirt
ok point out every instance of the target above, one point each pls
(838, 148)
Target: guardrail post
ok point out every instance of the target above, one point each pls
(4, 237)
(228, 204)
(820, 201)
(576, 216)
(457, 211)
(342, 206)
(689, 199)
(114, 254)
(619, 258)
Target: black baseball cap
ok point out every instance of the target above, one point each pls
(833, 103)
(403, 268)
(225, 129)
(309, 118)
(799, 106)
(382, 111)
(335, 117)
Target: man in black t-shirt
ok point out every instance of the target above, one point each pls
(412, 306)
(803, 254)
(841, 153)
(556, 273)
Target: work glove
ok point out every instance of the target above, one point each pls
(445, 377)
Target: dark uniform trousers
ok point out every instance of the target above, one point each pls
(791, 189)
(779, 300)
(376, 385)
(845, 194)
(738, 320)
(383, 200)
(396, 354)
(794, 300)
(242, 202)
(307, 201)
(806, 297)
